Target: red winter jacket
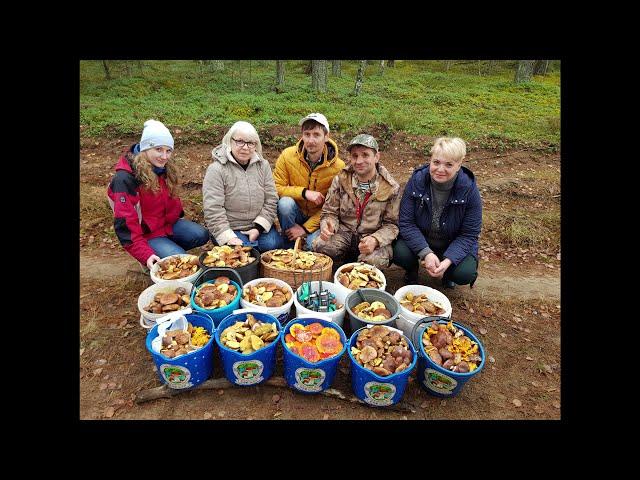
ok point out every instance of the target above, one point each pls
(140, 214)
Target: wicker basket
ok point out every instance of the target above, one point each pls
(297, 277)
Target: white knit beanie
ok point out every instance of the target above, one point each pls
(155, 134)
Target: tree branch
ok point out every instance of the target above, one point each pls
(279, 382)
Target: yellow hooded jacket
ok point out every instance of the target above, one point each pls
(292, 174)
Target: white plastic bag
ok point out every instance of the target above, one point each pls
(170, 322)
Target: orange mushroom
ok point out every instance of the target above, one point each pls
(309, 352)
(315, 328)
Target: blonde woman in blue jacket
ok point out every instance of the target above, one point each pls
(440, 218)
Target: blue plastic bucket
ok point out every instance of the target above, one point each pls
(435, 379)
(305, 376)
(190, 369)
(217, 314)
(375, 389)
(254, 368)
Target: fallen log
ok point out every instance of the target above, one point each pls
(279, 382)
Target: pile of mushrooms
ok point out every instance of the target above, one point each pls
(169, 301)
(382, 350)
(450, 348)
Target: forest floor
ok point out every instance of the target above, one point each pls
(514, 307)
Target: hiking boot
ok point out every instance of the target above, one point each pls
(448, 284)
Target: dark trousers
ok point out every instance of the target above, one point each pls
(464, 273)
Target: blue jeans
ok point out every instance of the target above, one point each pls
(266, 240)
(288, 215)
(186, 235)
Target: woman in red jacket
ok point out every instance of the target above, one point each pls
(143, 195)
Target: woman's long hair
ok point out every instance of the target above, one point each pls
(144, 173)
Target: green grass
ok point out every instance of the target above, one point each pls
(417, 97)
(534, 229)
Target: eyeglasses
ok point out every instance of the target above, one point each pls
(242, 143)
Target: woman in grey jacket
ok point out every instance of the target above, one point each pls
(239, 194)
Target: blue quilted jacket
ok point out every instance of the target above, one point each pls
(461, 219)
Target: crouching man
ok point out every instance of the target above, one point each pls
(359, 218)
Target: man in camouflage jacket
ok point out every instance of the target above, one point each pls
(360, 215)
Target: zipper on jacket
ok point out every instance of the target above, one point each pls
(308, 186)
(423, 205)
(246, 179)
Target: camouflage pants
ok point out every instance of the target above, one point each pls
(344, 245)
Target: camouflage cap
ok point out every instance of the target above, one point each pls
(364, 140)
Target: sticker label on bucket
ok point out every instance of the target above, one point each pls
(379, 394)
(438, 382)
(248, 372)
(309, 379)
(176, 376)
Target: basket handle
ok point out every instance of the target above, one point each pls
(296, 247)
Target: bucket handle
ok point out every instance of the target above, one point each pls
(174, 315)
(257, 308)
(321, 316)
(231, 272)
(144, 325)
(414, 331)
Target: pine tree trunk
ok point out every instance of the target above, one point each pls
(106, 70)
(391, 63)
(447, 64)
(249, 71)
(319, 75)
(279, 75)
(541, 67)
(337, 71)
(524, 71)
(359, 77)
(308, 67)
(382, 67)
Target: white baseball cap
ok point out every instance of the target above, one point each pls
(318, 117)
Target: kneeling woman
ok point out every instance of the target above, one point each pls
(239, 194)
(440, 218)
(146, 207)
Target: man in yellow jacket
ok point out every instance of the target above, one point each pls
(303, 174)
